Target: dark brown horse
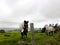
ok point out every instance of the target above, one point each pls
(43, 30)
(25, 29)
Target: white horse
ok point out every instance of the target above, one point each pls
(49, 29)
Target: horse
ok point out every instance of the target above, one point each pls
(56, 28)
(49, 29)
(43, 29)
(24, 29)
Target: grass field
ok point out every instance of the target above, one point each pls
(14, 38)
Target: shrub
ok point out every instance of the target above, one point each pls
(2, 31)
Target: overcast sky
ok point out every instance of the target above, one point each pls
(40, 12)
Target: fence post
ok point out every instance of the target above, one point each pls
(32, 33)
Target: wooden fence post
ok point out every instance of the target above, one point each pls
(32, 33)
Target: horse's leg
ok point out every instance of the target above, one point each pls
(26, 35)
(49, 33)
(22, 35)
(52, 33)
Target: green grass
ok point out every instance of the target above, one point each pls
(9, 40)
(13, 38)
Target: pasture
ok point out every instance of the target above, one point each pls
(14, 38)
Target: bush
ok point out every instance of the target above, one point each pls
(2, 31)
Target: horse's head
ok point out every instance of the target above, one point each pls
(26, 22)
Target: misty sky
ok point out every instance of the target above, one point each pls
(40, 12)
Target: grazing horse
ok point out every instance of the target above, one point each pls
(49, 29)
(25, 29)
